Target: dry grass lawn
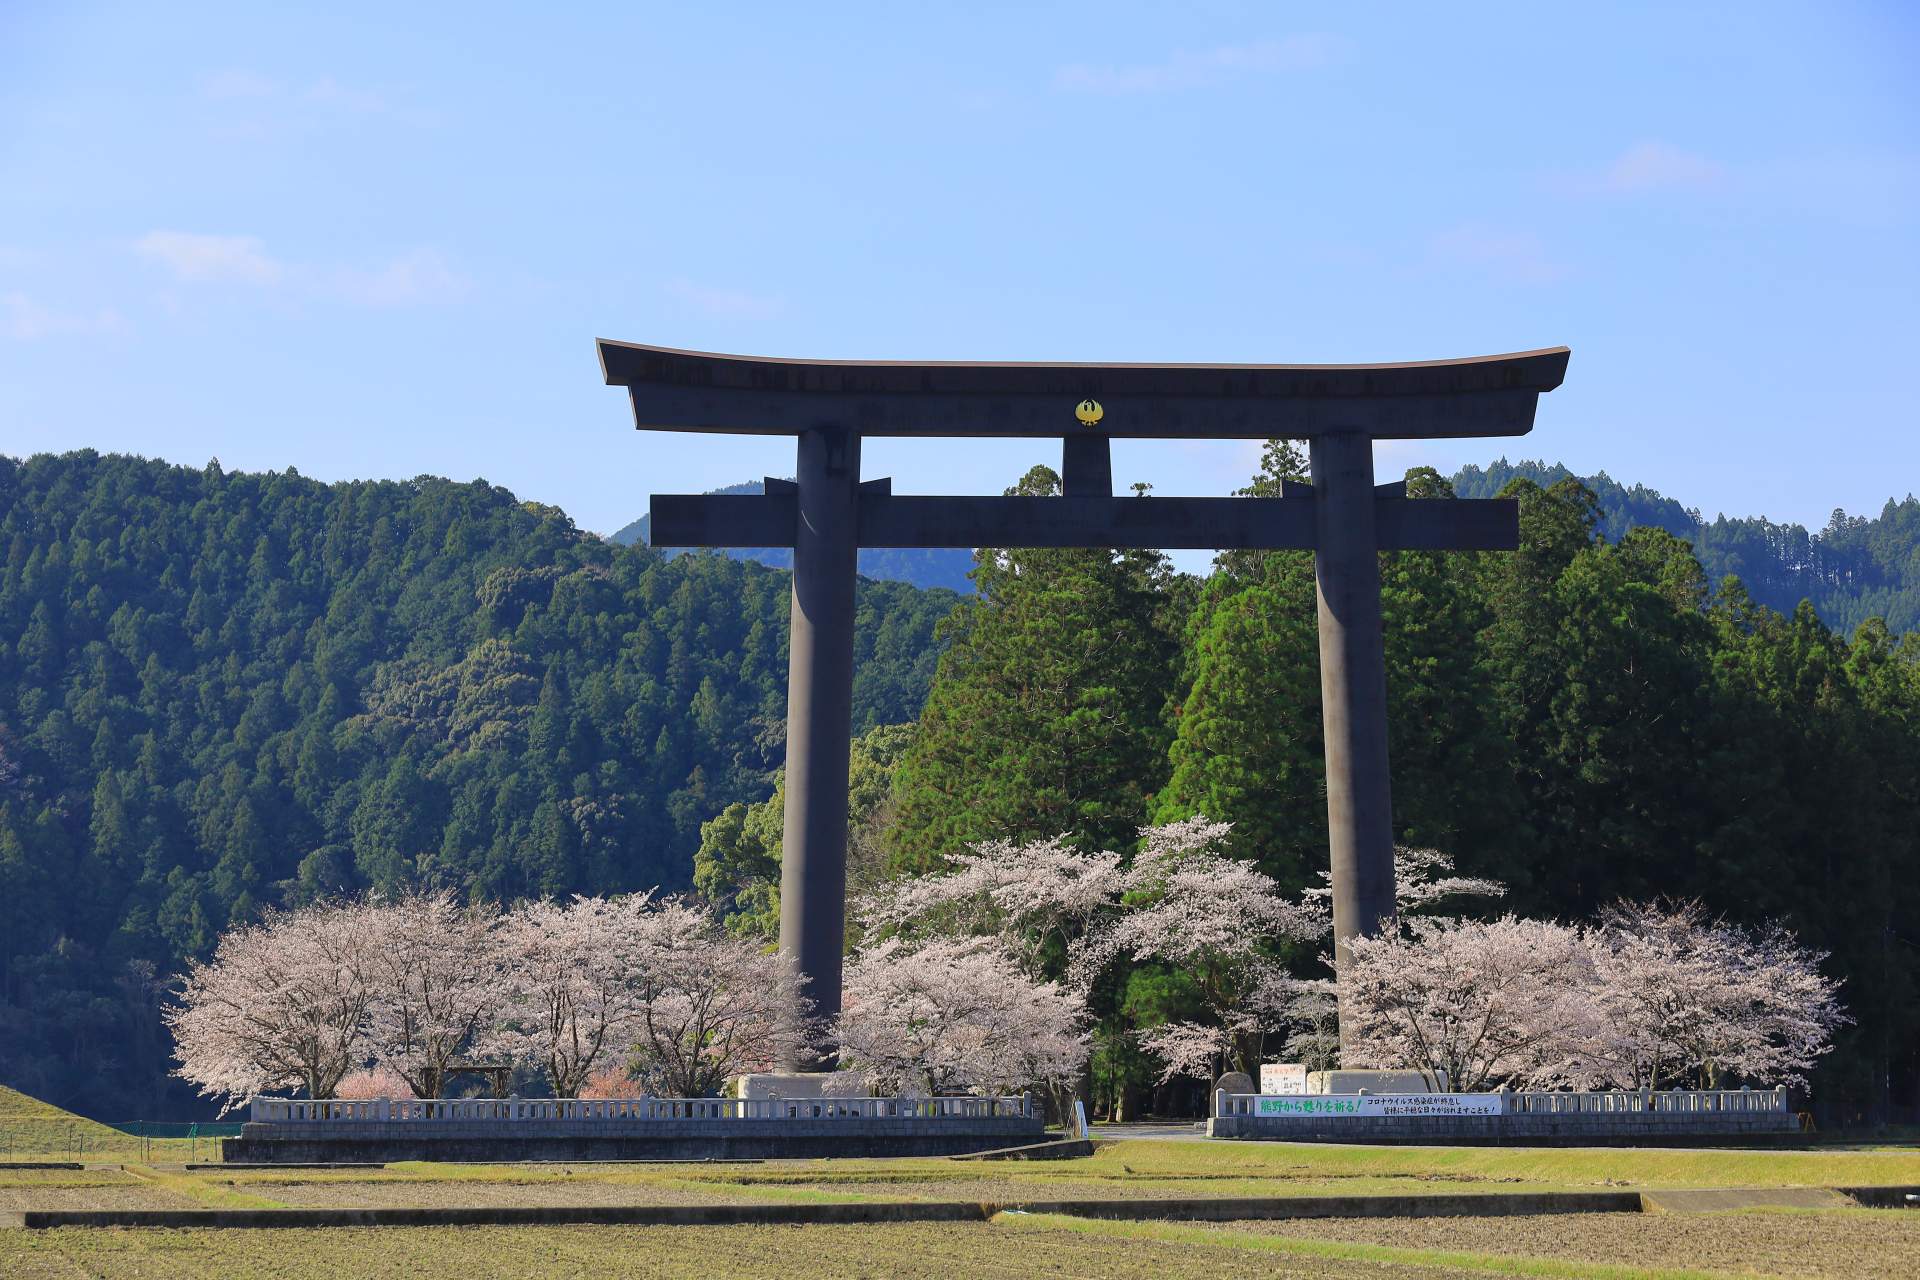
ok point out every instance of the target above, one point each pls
(1836, 1243)
(985, 1251)
(1840, 1244)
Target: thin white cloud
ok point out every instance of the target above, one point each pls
(329, 92)
(420, 277)
(417, 278)
(237, 83)
(1648, 165)
(735, 303)
(207, 258)
(22, 319)
(1517, 257)
(1188, 70)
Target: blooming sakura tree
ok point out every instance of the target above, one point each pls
(1481, 1002)
(1421, 877)
(1028, 895)
(1219, 921)
(282, 1004)
(376, 1082)
(1180, 901)
(437, 969)
(570, 996)
(708, 1005)
(957, 1015)
(612, 1082)
(1649, 996)
(1676, 993)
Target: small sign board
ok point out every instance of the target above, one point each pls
(1323, 1105)
(1283, 1077)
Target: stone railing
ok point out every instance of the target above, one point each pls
(1690, 1102)
(1670, 1102)
(510, 1110)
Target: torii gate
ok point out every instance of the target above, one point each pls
(826, 514)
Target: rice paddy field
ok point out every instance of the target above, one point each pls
(1144, 1169)
(1811, 1242)
(1834, 1243)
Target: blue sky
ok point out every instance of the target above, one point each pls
(378, 241)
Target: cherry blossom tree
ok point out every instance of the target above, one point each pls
(1310, 1012)
(569, 984)
(376, 1082)
(1034, 896)
(438, 984)
(1677, 993)
(612, 1082)
(1222, 923)
(957, 1015)
(1421, 877)
(708, 1005)
(281, 1004)
(1481, 1002)
(1179, 901)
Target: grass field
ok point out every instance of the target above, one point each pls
(1826, 1243)
(1120, 1170)
(34, 1130)
(1842, 1243)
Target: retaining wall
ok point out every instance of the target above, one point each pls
(1618, 1129)
(341, 1142)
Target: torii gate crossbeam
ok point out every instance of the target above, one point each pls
(826, 515)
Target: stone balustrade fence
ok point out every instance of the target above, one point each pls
(1677, 1102)
(511, 1110)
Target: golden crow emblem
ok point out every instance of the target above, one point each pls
(1088, 411)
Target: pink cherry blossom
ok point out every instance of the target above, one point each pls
(281, 1004)
(437, 968)
(708, 1005)
(956, 1015)
(1480, 1002)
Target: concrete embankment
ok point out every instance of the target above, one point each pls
(1492, 1204)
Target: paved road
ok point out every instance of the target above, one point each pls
(1176, 1130)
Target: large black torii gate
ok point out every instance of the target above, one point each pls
(826, 514)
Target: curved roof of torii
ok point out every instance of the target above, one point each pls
(676, 390)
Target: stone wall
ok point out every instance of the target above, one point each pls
(328, 1142)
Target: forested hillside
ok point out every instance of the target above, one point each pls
(1854, 569)
(1583, 720)
(221, 691)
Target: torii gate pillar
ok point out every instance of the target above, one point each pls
(1353, 691)
(813, 866)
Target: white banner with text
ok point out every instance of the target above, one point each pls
(1318, 1105)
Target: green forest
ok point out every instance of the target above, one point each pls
(1854, 570)
(222, 691)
